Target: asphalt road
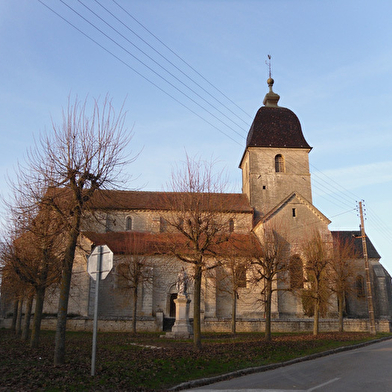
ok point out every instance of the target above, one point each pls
(367, 369)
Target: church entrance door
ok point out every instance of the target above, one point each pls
(173, 305)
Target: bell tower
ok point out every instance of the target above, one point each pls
(275, 162)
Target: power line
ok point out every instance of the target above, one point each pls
(140, 74)
(155, 62)
(180, 58)
(170, 62)
(149, 68)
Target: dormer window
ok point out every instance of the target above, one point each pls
(279, 164)
(128, 223)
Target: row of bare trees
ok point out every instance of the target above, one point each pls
(51, 194)
(329, 270)
(261, 263)
(199, 235)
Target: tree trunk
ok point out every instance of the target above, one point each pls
(27, 317)
(65, 286)
(39, 305)
(14, 315)
(316, 317)
(268, 305)
(340, 306)
(134, 310)
(196, 308)
(234, 313)
(18, 330)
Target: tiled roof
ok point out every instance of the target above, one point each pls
(132, 242)
(276, 127)
(355, 236)
(139, 200)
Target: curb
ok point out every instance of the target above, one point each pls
(238, 373)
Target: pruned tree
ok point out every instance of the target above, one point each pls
(34, 259)
(269, 262)
(318, 255)
(35, 242)
(234, 268)
(27, 317)
(10, 289)
(134, 270)
(13, 288)
(230, 278)
(341, 279)
(197, 223)
(86, 153)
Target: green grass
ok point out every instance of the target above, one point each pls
(127, 362)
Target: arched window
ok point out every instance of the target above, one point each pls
(360, 286)
(231, 225)
(162, 225)
(279, 164)
(128, 223)
(181, 223)
(123, 276)
(241, 276)
(296, 273)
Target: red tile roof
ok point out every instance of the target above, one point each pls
(132, 242)
(139, 200)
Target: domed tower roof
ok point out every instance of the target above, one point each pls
(275, 126)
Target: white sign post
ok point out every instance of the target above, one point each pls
(100, 263)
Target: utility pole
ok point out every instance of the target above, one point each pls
(367, 271)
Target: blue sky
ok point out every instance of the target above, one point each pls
(331, 61)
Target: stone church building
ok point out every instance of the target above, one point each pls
(276, 192)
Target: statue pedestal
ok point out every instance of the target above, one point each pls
(182, 328)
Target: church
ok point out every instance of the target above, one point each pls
(276, 192)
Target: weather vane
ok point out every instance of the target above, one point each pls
(268, 62)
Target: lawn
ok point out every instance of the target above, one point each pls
(146, 362)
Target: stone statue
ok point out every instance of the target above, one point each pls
(182, 282)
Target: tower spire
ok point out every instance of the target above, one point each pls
(270, 99)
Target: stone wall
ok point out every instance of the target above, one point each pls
(152, 324)
(295, 325)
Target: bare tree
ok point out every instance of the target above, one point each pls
(27, 317)
(197, 223)
(35, 259)
(82, 155)
(134, 269)
(318, 259)
(35, 241)
(13, 288)
(234, 268)
(231, 275)
(344, 252)
(10, 287)
(269, 261)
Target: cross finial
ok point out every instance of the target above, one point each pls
(268, 62)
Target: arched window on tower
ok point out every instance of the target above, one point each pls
(128, 223)
(279, 164)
